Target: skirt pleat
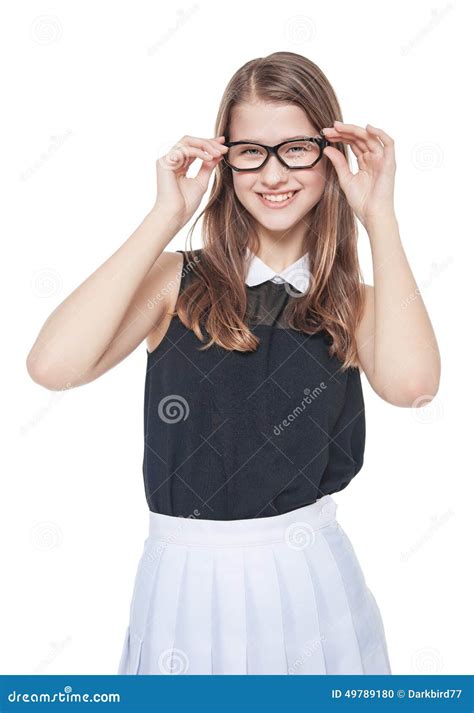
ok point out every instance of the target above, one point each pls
(334, 605)
(140, 608)
(265, 635)
(229, 632)
(360, 602)
(276, 595)
(300, 614)
(159, 649)
(193, 630)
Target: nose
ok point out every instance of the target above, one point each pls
(273, 172)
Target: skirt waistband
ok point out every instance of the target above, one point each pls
(294, 527)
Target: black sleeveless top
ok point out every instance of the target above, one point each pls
(231, 435)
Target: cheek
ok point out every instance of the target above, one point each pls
(315, 185)
(243, 187)
(315, 179)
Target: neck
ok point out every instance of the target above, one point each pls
(279, 249)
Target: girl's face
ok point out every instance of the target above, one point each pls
(270, 124)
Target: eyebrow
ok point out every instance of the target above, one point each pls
(299, 136)
(290, 138)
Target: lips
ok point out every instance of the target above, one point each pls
(278, 203)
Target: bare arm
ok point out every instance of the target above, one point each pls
(396, 343)
(114, 299)
(113, 310)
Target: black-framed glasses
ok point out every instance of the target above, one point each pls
(294, 154)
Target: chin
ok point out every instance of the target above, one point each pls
(277, 220)
(278, 223)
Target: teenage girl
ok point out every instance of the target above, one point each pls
(254, 411)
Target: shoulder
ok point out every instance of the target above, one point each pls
(164, 278)
(167, 267)
(179, 269)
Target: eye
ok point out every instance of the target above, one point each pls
(298, 149)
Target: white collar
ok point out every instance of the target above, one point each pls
(297, 274)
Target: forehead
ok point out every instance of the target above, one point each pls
(268, 123)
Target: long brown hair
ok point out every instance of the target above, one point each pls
(334, 299)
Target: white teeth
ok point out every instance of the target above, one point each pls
(279, 198)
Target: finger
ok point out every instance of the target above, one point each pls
(214, 149)
(373, 146)
(387, 140)
(339, 162)
(362, 135)
(205, 171)
(218, 141)
(179, 158)
(217, 147)
(365, 145)
(355, 145)
(192, 152)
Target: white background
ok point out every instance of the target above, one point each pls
(92, 94)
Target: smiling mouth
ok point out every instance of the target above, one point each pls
(277, 199)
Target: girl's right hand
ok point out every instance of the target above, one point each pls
(178, 194)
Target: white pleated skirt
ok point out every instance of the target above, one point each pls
(273, 595)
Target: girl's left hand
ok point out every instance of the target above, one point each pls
(370, 190)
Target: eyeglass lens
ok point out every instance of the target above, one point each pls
(294, 154)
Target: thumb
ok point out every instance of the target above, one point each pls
(205, 171)
(339, 162)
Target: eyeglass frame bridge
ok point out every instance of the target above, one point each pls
(273, 151)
